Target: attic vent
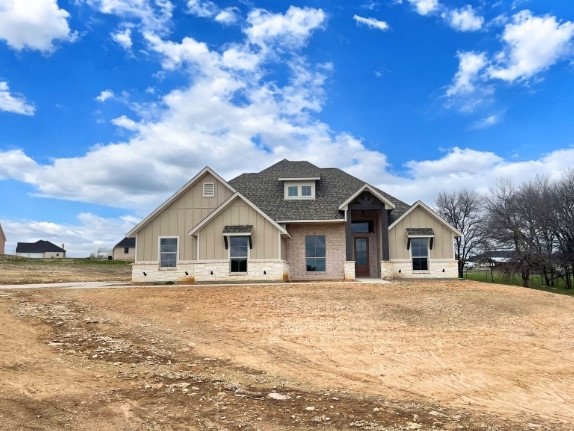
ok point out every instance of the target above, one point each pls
(208, 190)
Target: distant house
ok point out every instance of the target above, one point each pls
(2, 241)
(125, 250)
(493, 258)
(40, 250)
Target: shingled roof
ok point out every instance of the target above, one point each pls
(40, 246)
(126, 242)
(334, 187)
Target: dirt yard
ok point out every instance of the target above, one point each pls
(402, 356)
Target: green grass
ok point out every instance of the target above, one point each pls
(535, 281)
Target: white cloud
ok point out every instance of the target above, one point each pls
(290, 29)
(425, 7)
(13, 103)
(532, 45)
(464, 19)
(105, 95)
(488, 121)
(123, 38)
(202, 8)
(469, 88)
(34, 24)
(125, 123)
(371, 22)
(227, 16)
(154, 15)
(80, 239)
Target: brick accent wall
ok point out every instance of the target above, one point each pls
(335, 259)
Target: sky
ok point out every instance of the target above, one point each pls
(107, 107)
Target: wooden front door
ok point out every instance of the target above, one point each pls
(362, 257)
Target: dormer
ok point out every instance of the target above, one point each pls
(299, 188)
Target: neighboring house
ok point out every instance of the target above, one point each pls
(493, 258)
(40, 249)
(2, 241)
(125, 250)
(291, 221)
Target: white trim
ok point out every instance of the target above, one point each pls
(237, 234)
(299, 185)
(429, 210)
(300, 179)
(421, 271)
(205, 189)
(378, 195)
(225, 204)
(167, 268)
(176, 195)
(420, 236)
(311, 221)
(280, 247)
(229, 259)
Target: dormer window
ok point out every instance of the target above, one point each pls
(299, 190)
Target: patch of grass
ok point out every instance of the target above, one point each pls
(536, 281)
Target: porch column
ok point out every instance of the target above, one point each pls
(385, 233)
(349, 236)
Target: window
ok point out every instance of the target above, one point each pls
(167, 252)
(420, 254)
(299, 190)
(208, 190)
(363, 226)
(315, 252)
(126, 250)
(238, 253)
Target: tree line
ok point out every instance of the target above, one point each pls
(533, 222)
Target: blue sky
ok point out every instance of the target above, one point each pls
(108, 106)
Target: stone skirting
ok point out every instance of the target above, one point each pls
(210, 271)
(402, 268)
(350, 270)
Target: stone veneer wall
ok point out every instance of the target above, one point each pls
(335, 244)
(402, 268)
(210, 271)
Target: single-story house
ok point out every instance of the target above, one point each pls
(2, 241)
(291, 221)
(40, 249)
(125, 250)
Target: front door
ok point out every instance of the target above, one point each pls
(362, 257)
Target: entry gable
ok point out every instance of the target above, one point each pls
(372, 191)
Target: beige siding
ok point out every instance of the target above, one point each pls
(420, 218)
(265, 236)
(119, 254)
(178, 219)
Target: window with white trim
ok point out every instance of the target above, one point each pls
(168, 252)
(300, 190)
(420, 254)
(208, 190)
(238, 253)
(315, 253)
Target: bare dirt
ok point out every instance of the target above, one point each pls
(401, 356)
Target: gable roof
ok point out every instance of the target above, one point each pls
(175, 196)
(333, 189)
(225, 204)
(375, 192)
(40, 246)
(126, 242)
(420, 204)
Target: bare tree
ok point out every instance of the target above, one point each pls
(464, 211)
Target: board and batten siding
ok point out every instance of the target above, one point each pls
(443, 247)
(178, 219)
(264, 236)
